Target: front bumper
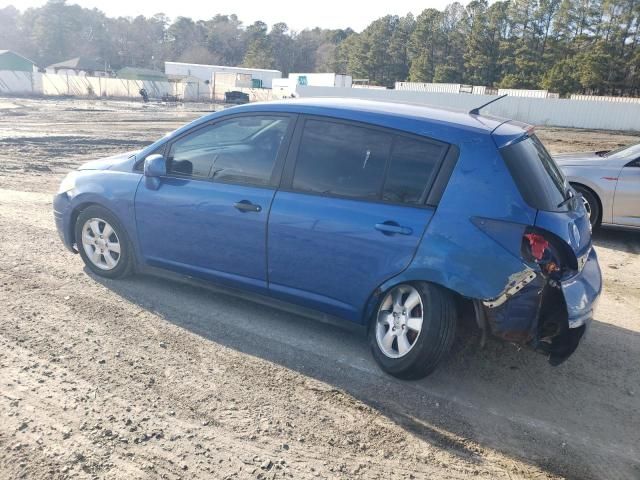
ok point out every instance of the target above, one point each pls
(551, 317)
(62, 216)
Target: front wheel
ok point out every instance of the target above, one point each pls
(103, 243)
(413, 329)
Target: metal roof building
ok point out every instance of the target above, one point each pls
(14, 61)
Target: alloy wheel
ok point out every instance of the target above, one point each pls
(101, 243)
(399, 321)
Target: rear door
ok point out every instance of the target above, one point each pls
(349, 214)
(626, 204)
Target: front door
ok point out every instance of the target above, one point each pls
(208, 217)
(350, 215)
(626, 202)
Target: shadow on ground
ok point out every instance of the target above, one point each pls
(624, 240)
(579, 420)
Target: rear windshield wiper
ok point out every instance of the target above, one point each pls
(570, 196)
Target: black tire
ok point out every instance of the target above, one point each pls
(432, 344)
(595, 217)
(124, 265)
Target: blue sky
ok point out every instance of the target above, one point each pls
(298, 15)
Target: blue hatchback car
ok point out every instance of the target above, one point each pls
(392, 216)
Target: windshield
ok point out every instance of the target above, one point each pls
(536, 174)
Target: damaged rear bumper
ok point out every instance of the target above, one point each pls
(547, 315)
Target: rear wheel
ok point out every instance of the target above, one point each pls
(413, 329)
(590, 203)
(103, 243)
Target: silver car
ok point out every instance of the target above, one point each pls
(609, 182)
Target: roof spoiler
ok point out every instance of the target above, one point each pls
(476, 111)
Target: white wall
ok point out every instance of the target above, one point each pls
(49, 84)
(536, 111)
(60, 85)
(13, 82)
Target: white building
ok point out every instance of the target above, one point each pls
(286, 87)
(261, 77)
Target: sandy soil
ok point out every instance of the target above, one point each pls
(149, 378)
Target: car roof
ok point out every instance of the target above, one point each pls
(371, 110)
(447, 125)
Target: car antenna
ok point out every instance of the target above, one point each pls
(476, 111)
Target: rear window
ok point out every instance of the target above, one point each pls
(536, 174)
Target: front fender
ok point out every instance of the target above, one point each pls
(112, 190)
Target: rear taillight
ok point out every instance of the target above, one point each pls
(538, 245)
(550, 252)
(534, 245)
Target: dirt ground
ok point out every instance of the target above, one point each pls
(149, 378)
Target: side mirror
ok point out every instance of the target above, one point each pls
(155, 166)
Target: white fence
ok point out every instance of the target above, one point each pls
(428, 87)
(17, 82)
(535, 111)
(62, 85)
(598, 98)
(518, 92)
(48, 84)
(459, 88)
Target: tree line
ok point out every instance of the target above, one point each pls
(561, 45)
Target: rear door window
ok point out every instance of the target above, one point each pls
(536, 174)
(413, 166)
(340, 159)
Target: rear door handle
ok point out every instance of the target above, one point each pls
(247, 206)
(389, 228)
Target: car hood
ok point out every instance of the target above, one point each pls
(107, 163)
(583, 158)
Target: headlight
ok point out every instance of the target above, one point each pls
(68, 183)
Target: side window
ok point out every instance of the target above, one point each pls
(238, 150)
(413, 166)
(341, 159)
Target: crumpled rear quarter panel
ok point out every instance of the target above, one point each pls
(454, 252)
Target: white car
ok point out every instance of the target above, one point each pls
(609, 182)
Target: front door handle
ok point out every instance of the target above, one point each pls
(247, 206)
(389, 228)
